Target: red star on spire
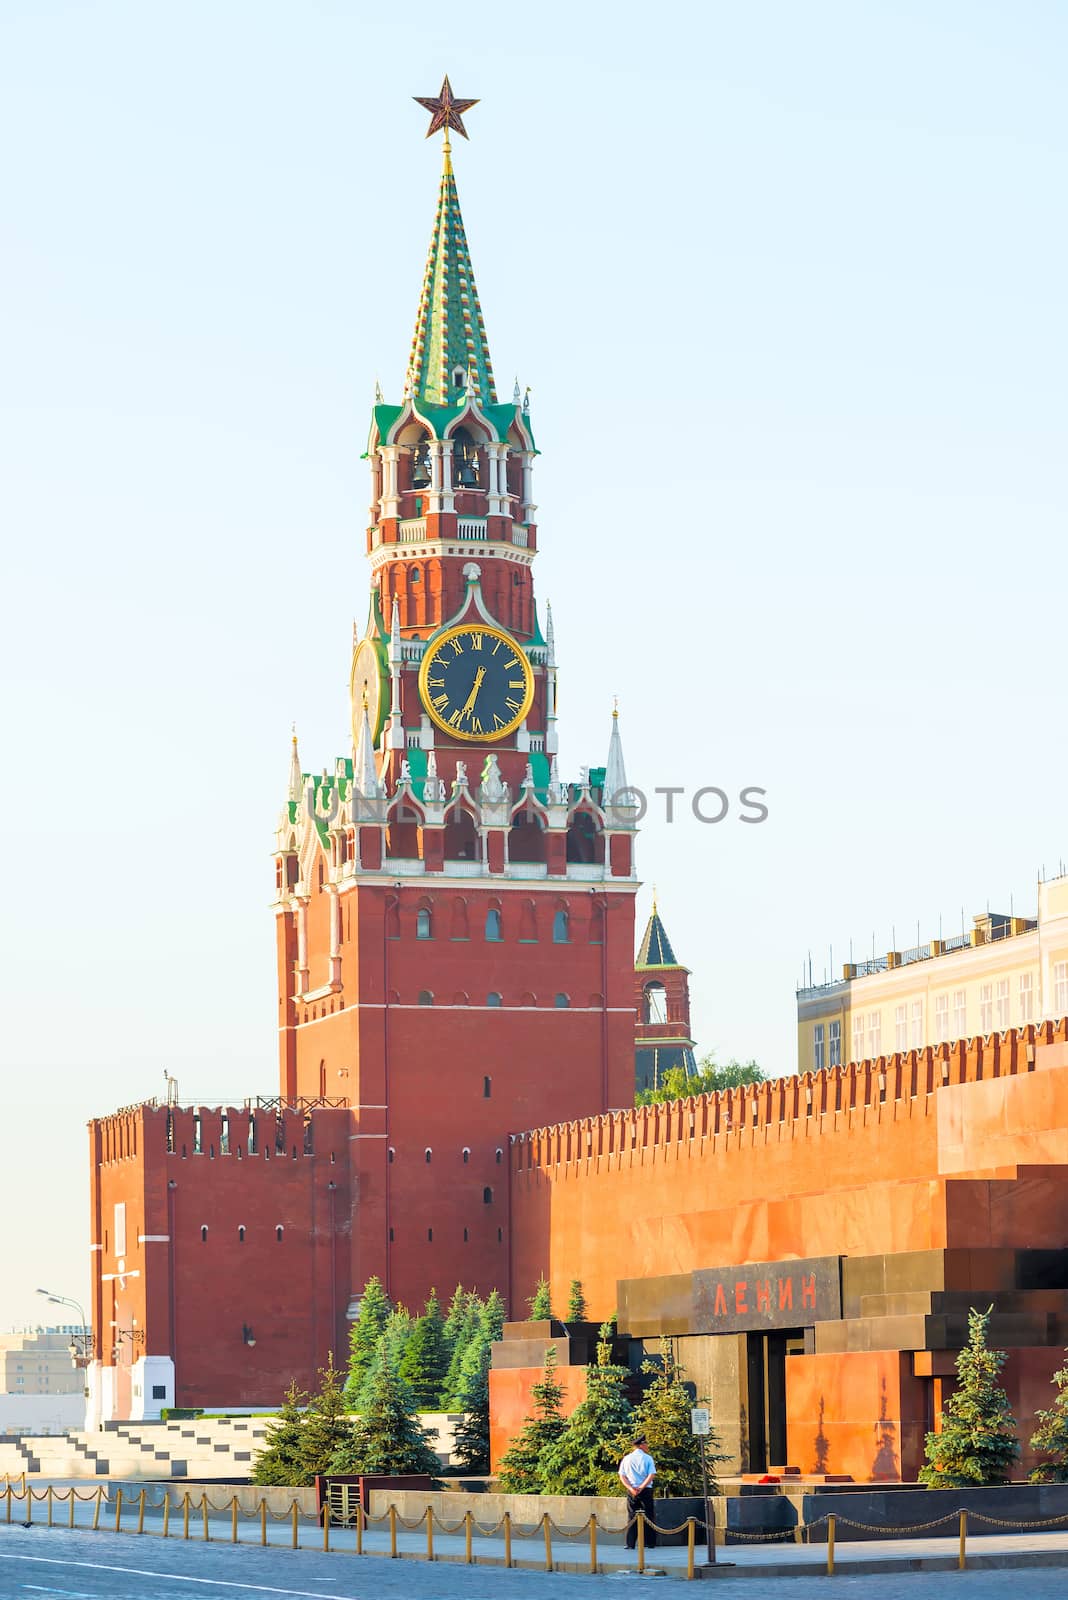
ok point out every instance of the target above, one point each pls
(445, 111)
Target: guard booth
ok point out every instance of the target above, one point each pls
(347, 1494)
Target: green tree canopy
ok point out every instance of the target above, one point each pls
(493, 1317)
(424, 1363)
(663, 1415)
(977, 1443)
(472, 1436)
(585, 1458)
(448, 1399)
(454, 1319)
(1050, 1438)
(364, 1336)
(576, 1302)
(520, 1467)
(327, 1425)
(540, 1302)
(675, 1085)
(281, 1461)
(386, 1438)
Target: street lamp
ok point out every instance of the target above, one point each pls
(81, 1345)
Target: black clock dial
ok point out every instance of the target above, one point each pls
(476, 683)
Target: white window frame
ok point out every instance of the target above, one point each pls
(875, 1034)
(834, 1043)
(960, 1014)
(916, 1026)
(1004, 1004)
(901, 1028)
(1060, 988)
(986, 1008)
(1027, 997)
(817, 1048)
(941, 1018)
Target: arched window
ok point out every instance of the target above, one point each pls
(560, 927)
(499, 1157)
(422, 923)
(278, 1233)
(391, 1155)
(487, 1196)
(465, 468)
(428, 1154)
(416, 576)
(421, 464)
(487, 1088)
(654, 1003)
(241, 1234)
(493, 924)
(561, 1002)
(425, 997)
(493, 998)
(204, 1235)
(466, 1155)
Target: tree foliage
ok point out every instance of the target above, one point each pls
(425, 1361)
(327, 1425)
(386, 1438)
(576, 1302)
(663, 1416)
(540, 1302)
(675, 1085)
(364, 1336)
(472, 1435)
(1050, 1438)
(520, 1467)
(281, 1461)
(585, 1458)
(977, 1444)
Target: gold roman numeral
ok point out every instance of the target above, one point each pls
(454, 720)
(513, 705)
(515, 683)
(441, 701)
(498, 722)
(436, 683)
(476, 641)
(476, 726)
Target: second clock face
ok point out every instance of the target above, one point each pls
(476, 683)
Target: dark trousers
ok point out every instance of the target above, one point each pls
(642, 1501)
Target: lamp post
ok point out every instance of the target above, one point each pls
(82, 1344)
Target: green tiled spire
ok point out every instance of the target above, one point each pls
(656, 948)
(449, 331)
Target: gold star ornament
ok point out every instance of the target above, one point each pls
(445, 110)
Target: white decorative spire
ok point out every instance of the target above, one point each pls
(364, 774)
(557, 791)
(296, 783)
(395, 633)
(516, 395)
(550, 637)
(615, 775)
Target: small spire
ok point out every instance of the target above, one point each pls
(550, 637)
(516, 396)
(296, 782)
(615, 774)
(378, 393)
(364, 772)
(395, 633)
(656, 948)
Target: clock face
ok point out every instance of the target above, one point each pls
(476, 683)
(366, 679)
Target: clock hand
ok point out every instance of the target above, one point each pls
(469, 703)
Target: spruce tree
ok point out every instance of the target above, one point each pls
(468, 1331)
(520, 1468)
(454, 1318)
(493, 1317)
(471, 1441)
(977, 1444)
(392, 1343)
(364, 1336)
(663, 1416)
(540, 1302)
(585, 1458)
(281, 1461)
(576, 1302)
(424, 1365)
(1050, 1438)
(386, 1438)
(327, 1425)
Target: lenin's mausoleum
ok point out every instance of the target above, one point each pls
(461, 1019)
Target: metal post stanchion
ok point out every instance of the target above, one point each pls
(963, 1559)
(830, 1544)
(593, 1542)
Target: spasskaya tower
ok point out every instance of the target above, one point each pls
(455, 916)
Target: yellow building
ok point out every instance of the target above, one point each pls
(1003, 973)
(38, 1361)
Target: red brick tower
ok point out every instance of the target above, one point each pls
(455, 920)
(662, 996)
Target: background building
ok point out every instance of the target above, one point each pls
(38, 1361)
(662, 1036)
(1002, 972)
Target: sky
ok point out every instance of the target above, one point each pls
(787, 285)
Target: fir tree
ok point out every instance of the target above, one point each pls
(386, 1438)
(392, 1343)
(454, 1319)
(364, 1336)
(281, 1461)
(468, 1330)
(327, 1425)
(540, 1303)
(977, 1444)
(1050, 1438)
(424, 1365)
(471, 1441)
(520, 1468)
(663, 1416)
(585, 1458)
(493, 1317)
(576, 1302)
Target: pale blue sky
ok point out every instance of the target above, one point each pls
(787, 283)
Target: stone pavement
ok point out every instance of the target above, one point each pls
(106, 1566)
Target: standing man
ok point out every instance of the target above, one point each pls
(636, 1473)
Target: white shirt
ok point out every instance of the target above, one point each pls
(635, 1468)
